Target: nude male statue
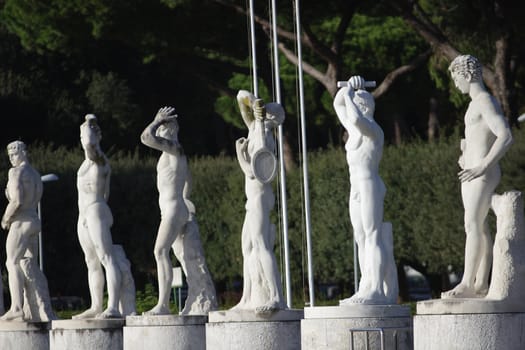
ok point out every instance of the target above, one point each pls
(487, 138)
(178, 228)
(262, 290)
(94, 223)
(24, 191)
(364, 148)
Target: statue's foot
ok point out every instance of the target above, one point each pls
(13, 315)
(157, 310)
(481, 291)
(89, 313)
(369, 298)
(460, 291)
(268, 308)
(110, 312)
(350, 300)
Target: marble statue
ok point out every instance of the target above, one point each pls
(178, 229)
(127, 300)
(27, 284)
(508, 270)
(364, 147)
(2, 307)
(487, 138)
(262, 290)
(94, 223)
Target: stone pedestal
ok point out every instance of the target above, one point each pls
(468, 324)
(24, 335)
(241, 330)
(166, 332)
(328, 327)
(87, 334)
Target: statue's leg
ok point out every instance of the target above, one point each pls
(476, 195)
(372, 195)
(95, 272)
(170, 226)
(354, 206)
(99, 220)
(16, 245)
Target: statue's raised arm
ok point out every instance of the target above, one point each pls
(159, 134)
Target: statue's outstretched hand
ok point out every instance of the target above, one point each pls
(165, 115)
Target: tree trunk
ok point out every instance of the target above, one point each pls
(433, 121)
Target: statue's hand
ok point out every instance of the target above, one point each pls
(164, 115)
(356, 82)
(241, 144)
(466, 175)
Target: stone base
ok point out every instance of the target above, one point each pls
(469, 306)
(243, 329)
(165, 332)
(470, 331)
(24, 335)
(86, 334)
(328, 327)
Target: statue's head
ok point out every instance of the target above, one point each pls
(17, 152)
(90, 133)
(465, 69)
(365, 102)
(168, 130)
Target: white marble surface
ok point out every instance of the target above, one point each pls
(356, 310)
(251, 316)
(168, 332)
(20, 335)
(328, 328)
(178, 229)
(487, 138)
(262, 289)
(86, 334)
(93, 323)
(165, 320)
(259, 335)
(27, 284)
(495, 331)
(94, 224)
(364, 148)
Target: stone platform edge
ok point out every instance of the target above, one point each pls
(251, 316)
(468, 306)
(357, 310)
(165, 320)
(88, 324)
(22, 326)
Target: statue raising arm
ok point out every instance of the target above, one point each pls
(354, 107)
(245, 99)
(161, 133)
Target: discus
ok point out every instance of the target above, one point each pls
(264, 165)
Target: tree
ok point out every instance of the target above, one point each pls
(452, 27)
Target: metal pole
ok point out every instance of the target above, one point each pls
(40, 250)
(305, 155)
(254, 58)
(282, 170)
(44, 179)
